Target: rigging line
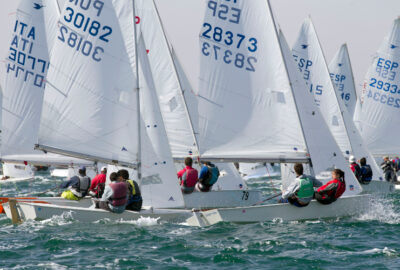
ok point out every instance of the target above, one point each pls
(270, 178)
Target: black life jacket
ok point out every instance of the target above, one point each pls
(81, 188)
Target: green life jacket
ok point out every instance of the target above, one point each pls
(306, 189)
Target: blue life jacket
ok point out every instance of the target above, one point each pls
(366, 174)
(213, 174)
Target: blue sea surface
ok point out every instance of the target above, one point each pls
(368, 241)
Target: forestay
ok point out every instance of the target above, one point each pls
(308, 54)
(246, 110)
(324, 152)
(88, 109)
(379, 115)
(343, 79)
(23, 74)
(167, 82)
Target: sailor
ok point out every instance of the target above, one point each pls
(355, 167)
(135, 199)
(78, 186)
(366, 172)
(387, 167)
(301, 191)
(115, 196)
(188, 177)
(209, 174)
(332, 190)
(98, 184)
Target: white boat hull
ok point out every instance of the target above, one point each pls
(378, 187)
(222, 198)
(16, 179)
(197, 200)
(346, 206)
(59, 173)
(39, 211)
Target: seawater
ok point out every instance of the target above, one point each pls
(369, 241)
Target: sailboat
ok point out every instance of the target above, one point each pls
(379, 104)
(259, 76)
(342, 77)
(100, 104)
(23, 82)
(308, 54)
(178, 105)
(377, 109)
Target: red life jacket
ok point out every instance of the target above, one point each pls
(189, 177)
(353, 166)
(120, 191)
(334, 193)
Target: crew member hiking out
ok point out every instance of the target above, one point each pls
(355, 168)
(135, 200)
(98, 184)
(366, 172)
(209, 174)
(115, 196)
(332, 190)
(301, 191)
(188, 177)
(388, 169)
(78, 186)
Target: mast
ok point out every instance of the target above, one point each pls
(291, 88)
(179, 82)
(137, 88)
(58, 7)
(351, 72)
(334, 90)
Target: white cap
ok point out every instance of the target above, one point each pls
(352, 159)
(103, 168)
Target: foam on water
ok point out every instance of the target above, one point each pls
(382, 210)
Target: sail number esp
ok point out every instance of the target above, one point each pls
(223, 44)
(74, 21)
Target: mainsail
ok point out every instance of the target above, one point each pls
(311, 62)
(308, 54)
(24, 73)
(246, 109)
(379, 106)
(89, 110)
(343, 79)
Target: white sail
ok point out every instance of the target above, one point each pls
(379, 106)
(188, 92)
(324, 151)
(159, 184)
(88, 109)
(343, 79)
(24, 72)
(311, 62)
(246, 110)
(167, 82)
(308, 54)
